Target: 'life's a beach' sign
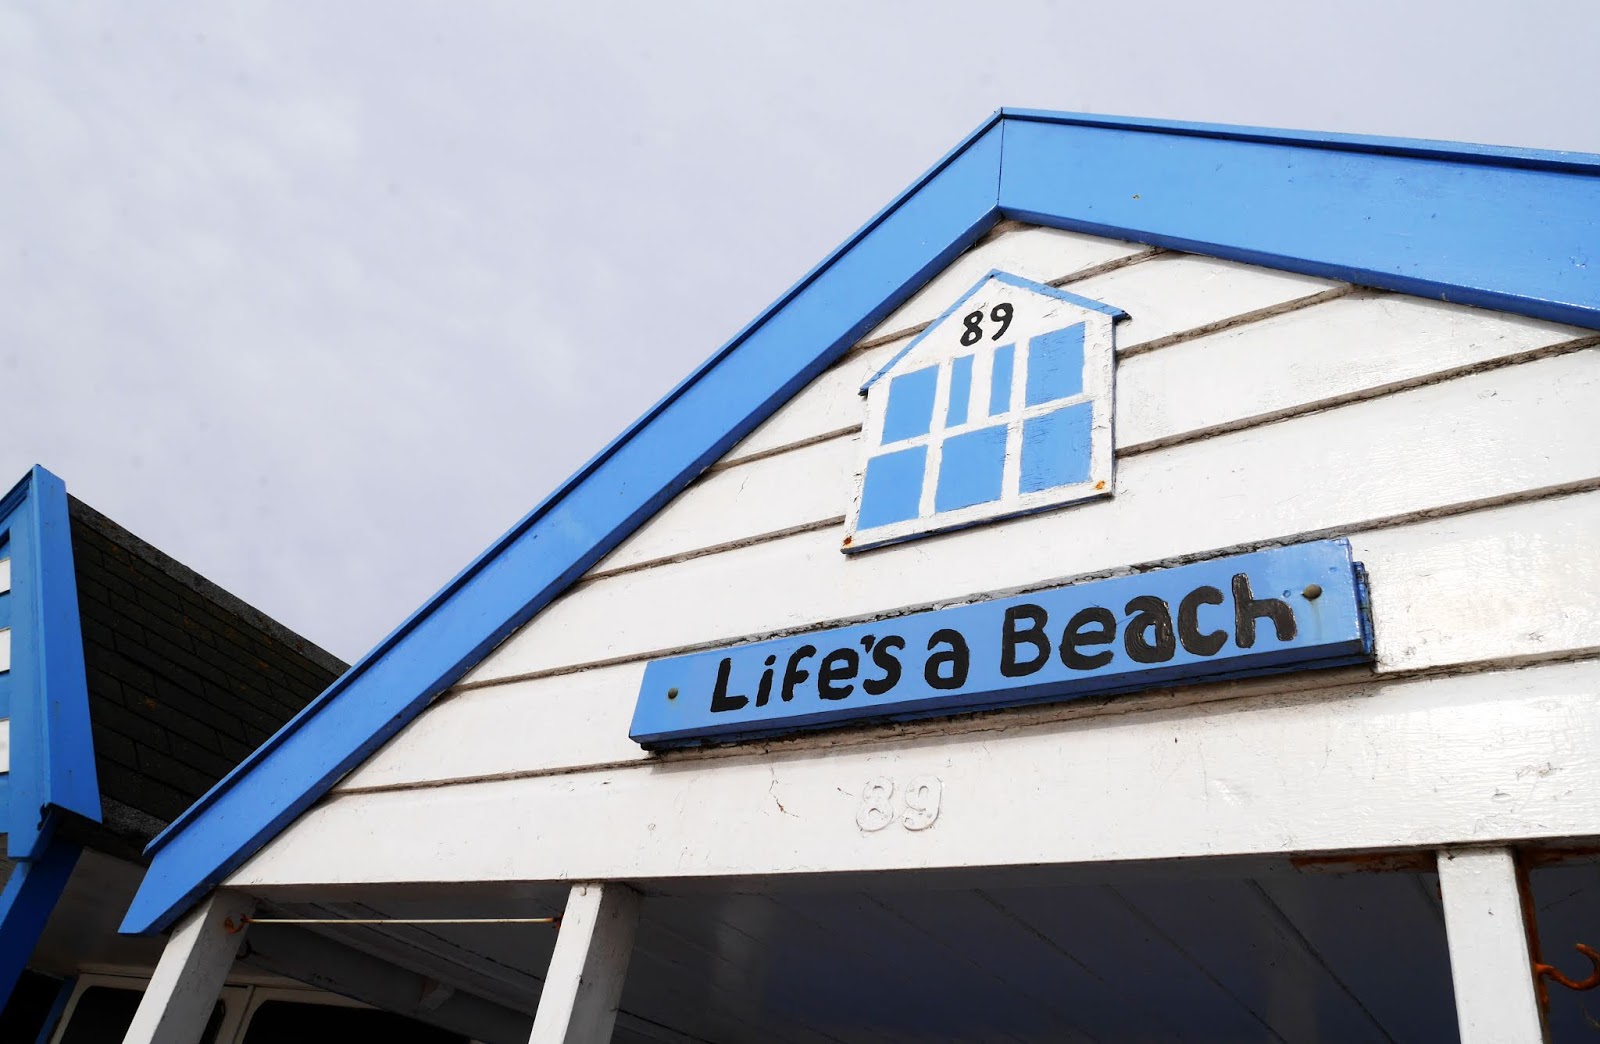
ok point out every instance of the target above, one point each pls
(1291, 608)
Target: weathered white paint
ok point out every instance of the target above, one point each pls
(5, 575)
(1312, 358)
(1160, 308)
(1517, 582)
(1434, 762)
(578, 1004)
(5, 649)
(5, 744)
(1176, 294)
(779, 495)
(1489, 960)
(1298, 362)
(1040, 254)
(1443, 591)
(190, 974)
(1437, 448)
(559, 723)
(827, 407)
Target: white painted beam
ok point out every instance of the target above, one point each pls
(1489, 758)
(1489, 960)
(189, 977)
(584, 984)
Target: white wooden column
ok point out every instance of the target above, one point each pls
(584, 984)
(1490, 966)
(189, 977)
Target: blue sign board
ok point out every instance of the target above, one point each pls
(1291, 608)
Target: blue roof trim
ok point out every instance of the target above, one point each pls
(1513, 230)
(1420, 217)
(30, 894)
(52, 747)
(1456, 151)
(1004, 277)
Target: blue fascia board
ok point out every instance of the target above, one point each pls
(52, 745)
(1423, 148)
(1062, 170)
(1011, 280)
(1520, 238)
(30, 894)
(765, 365)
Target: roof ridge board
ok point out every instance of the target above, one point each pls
(472, 568)
(1421, 148)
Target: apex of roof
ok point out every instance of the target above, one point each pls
(1509, 229)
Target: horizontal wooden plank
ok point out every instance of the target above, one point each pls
(1518, 581)
(1465, 759)
(1299, 361)
(1165, 295)
(1361, 344)
(1509, 583)
(1482, 437)
(1040, 254)
(1176, 293)
(830, 404)
(552, 724)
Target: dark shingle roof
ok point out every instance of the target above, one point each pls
(184, 678)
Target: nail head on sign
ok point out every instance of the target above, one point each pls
(1312, 592)
(672, 693)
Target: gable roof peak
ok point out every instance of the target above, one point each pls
(1508, 229)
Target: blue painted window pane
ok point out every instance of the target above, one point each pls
(1055, 365)
(960, 391)
(1055, 447)
(1000, 380)
(893, 487)
(910, 408)
(971, 469)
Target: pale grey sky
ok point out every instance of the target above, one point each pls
(321, 298)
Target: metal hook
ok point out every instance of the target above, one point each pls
(1552, 972)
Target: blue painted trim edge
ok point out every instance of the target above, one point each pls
(52, 745)
(31, 893)
(58, 1008)
(792, 341)
(1005, 277)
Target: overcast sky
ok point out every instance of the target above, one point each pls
(321, 297)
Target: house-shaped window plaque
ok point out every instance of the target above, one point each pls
(1001, 407)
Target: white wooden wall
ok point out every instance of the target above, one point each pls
(1458, 450)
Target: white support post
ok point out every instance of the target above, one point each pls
(584, 984)
(189, 977)
(1490, 966)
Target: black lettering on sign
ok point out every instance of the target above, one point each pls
(884, 658)
(972, 324)
(720, 700)
(764, 690)
(793, 673)
(1031, 635)
(1092, 626)
(947, 669)
(1189, 633)
(1149, 637)
(1247, 609)
(838, 666)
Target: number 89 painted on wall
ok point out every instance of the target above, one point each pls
(919, 804)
